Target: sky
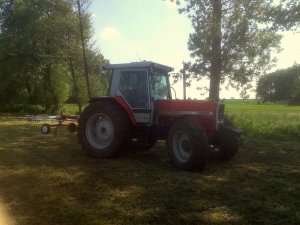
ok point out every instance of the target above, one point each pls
(134, 30)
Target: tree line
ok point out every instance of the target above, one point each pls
(47, 54)
(281, 85)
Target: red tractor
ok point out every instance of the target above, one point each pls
(139, 111)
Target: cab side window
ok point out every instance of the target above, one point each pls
(133, 87)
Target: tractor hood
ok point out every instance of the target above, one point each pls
(187, 107)
(207, 113)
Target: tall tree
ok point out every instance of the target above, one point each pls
(81, 8)
(232, 40)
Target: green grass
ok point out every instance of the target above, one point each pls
(253, 106)
(47, 180)
(272, 121)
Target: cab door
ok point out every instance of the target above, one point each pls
(134, 88)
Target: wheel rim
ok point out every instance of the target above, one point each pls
(181, 146)
(99, 131)
(45, 129)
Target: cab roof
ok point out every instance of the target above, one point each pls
(136, 65)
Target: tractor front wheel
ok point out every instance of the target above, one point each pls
(102, 129)
(187, 146)
(228, 141)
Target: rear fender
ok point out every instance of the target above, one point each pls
(121, 102)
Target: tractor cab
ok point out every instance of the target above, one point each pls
(140, 84)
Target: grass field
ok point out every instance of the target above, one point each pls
(47, 180)
(271, 121)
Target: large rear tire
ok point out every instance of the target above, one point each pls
(188, 146)
(103, 128)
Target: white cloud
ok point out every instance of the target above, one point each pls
(110, 33)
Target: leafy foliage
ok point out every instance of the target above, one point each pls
(281, 85)
(286, 15)
(38, 43)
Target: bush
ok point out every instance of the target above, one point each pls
(22, 108)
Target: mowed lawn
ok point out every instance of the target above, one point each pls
(48, 180)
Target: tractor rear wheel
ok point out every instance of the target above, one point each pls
(187, 146)
(102, 129)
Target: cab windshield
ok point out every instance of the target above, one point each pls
(159, 86)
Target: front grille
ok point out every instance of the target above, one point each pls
(220, 113)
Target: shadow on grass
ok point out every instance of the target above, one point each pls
(48, 180)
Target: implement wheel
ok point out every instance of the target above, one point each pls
(102, 129)
(187, 146)
(46, 128)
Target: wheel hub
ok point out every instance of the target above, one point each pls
(181, 146)
(99, 131)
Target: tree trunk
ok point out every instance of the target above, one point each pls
(184, 84)
(47, 88)
(29, 91)
(75, 85)
(216, 58)
(86, 72)
(35, 94)
(56, 105)
(47, 80)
